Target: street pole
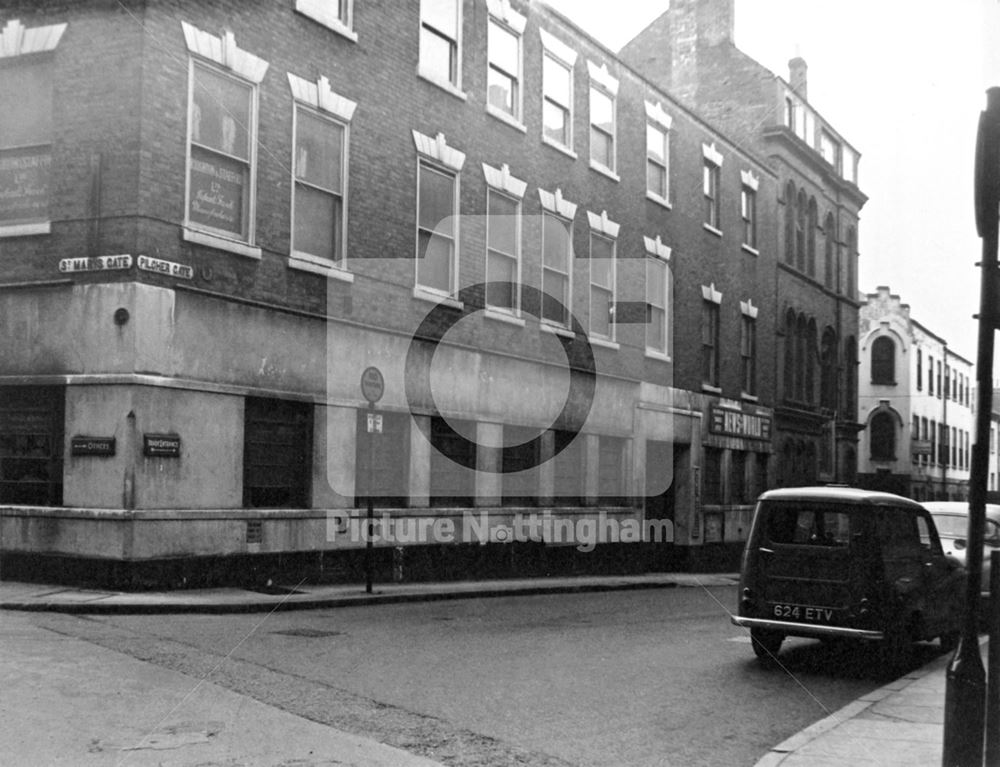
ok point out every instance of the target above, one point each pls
(965, 682)
(369, 527)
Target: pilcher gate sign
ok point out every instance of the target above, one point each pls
(736, 423)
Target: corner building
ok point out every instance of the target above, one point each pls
(215, 217)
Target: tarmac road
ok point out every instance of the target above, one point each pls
(655, 677)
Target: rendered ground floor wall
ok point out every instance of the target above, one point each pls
(155, 466)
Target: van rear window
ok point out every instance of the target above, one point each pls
(813, 526)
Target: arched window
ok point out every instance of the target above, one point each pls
(852, 260)
(801, 359)
(829, 229)
(789, 371)
(810, 362)
(828, 370)
(800, 232)
(883, 437)
(790, 223)
(884, 361)
(811, 238)
(850, 378)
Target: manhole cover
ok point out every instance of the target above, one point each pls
(307, 632)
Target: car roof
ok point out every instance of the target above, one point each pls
(839, 493)
(960, 508)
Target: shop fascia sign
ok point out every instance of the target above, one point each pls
(738, 423)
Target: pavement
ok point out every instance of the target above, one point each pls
(115, 709)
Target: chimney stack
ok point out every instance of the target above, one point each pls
(797, 76)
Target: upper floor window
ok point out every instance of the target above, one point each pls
(319, 168)
(748, 347)
(920, 370)
(829, 148)
(940, 388)
(711, 299)
(26, 79)
(439, 41)
(657, 296)
(503, 81)
(883, 361)
(602, 274)
(556, 268)
(438, 166)
(790, 223)
(338, 15)
(557, 256)
(748, 208)
(829, 251)
(711, 177)
(658, 125)
(557, 91)
(603, 130)
(503, 239)
(930, 374)
(222, 128)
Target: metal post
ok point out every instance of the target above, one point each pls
(965, 689)
(370, 525)
(993, 670)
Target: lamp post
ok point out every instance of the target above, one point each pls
(965, 689)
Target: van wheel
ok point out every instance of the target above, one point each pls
(766, 644)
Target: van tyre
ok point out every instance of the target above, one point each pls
(766, 644)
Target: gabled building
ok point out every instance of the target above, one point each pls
(916, 401)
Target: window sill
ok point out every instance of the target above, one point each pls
(556, 330)
(605, 171)
(749, 397)
(427, 294)
(711, 389)
(712, 229)
(662, 201)
(221, 243)
(652, 354)
(331, 22)
(559, 147)
(25, 230)
(449, 88)
(751, 250)
(501, 316)
(306, 263)
(506, 117)
(607, 343)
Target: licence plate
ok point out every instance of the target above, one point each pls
(803, 613)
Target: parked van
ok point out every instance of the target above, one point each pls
(837, 562)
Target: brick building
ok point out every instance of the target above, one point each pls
(214, 217)
(689, 50)
(916, 401)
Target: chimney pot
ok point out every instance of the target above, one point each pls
(797, 76)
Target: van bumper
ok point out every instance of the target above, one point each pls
(807, 629)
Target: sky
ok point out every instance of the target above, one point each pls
(903, 81)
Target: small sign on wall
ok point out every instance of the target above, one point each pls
(161, 445)
(104, 446)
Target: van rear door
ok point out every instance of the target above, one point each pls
(806, 568)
